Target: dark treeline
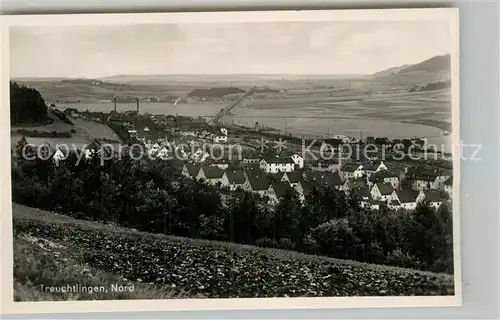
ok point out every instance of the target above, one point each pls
(432, 86)
(153, 196)
(215, 92)
(45, 134)
(26, 105)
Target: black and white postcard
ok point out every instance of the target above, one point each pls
(230, 160)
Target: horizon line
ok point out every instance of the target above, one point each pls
(234, 74)
(192, 74)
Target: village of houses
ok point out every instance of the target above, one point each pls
(373, 182)
(377, 183)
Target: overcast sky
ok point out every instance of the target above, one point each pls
(225, 48)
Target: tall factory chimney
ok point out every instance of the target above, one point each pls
(114, 103)
(137, 101)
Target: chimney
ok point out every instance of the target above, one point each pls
(114, 103)
(137, 101)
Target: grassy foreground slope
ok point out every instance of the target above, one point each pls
(159, 266)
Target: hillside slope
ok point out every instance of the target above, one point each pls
(201, 268)
(435, 64)
(437, 68)
(391, 71)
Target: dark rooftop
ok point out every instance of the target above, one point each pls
(407, 196)
(294, 176)
(193, 169)
(449, 181)
(281, 188)
(433, 196)
(385, 188)
(349, 167)
(213, 172)
(258, 181)
(236, 176)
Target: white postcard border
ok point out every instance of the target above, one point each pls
(11, 307)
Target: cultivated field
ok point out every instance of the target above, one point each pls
(53, 249)
(82, 132)
(96, 130)
(393, 115)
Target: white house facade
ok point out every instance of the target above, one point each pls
(298, 160)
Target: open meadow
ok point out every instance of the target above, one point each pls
(81, 132)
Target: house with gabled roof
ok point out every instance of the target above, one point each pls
(152, 148)
(371, 204)
(293, 178)
(439, 180)
(403, 199)
(365, 197)
(277, 164)
(222, 163)
(253, 167)
(235, 179)
(221, 136)
(374, 205)
(191, 170)
(419, 178)
(325, 178)
(384, 176)
(252, 160)
(212, 175)
(332, 165)
(351, 170)
(59, 155)
(164, 154)
(381, 191)
(426, 178)
(332, 179)
(280, 189)
(370, 167)
(363, 193)
(355, 183)
(259, 184)
(434, 198)
(298, 160)
(393, 204)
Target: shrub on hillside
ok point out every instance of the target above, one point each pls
(285, 244)
(310, 245)
(402, 259)
(211, 227)
(336, 238)
(266, 243)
